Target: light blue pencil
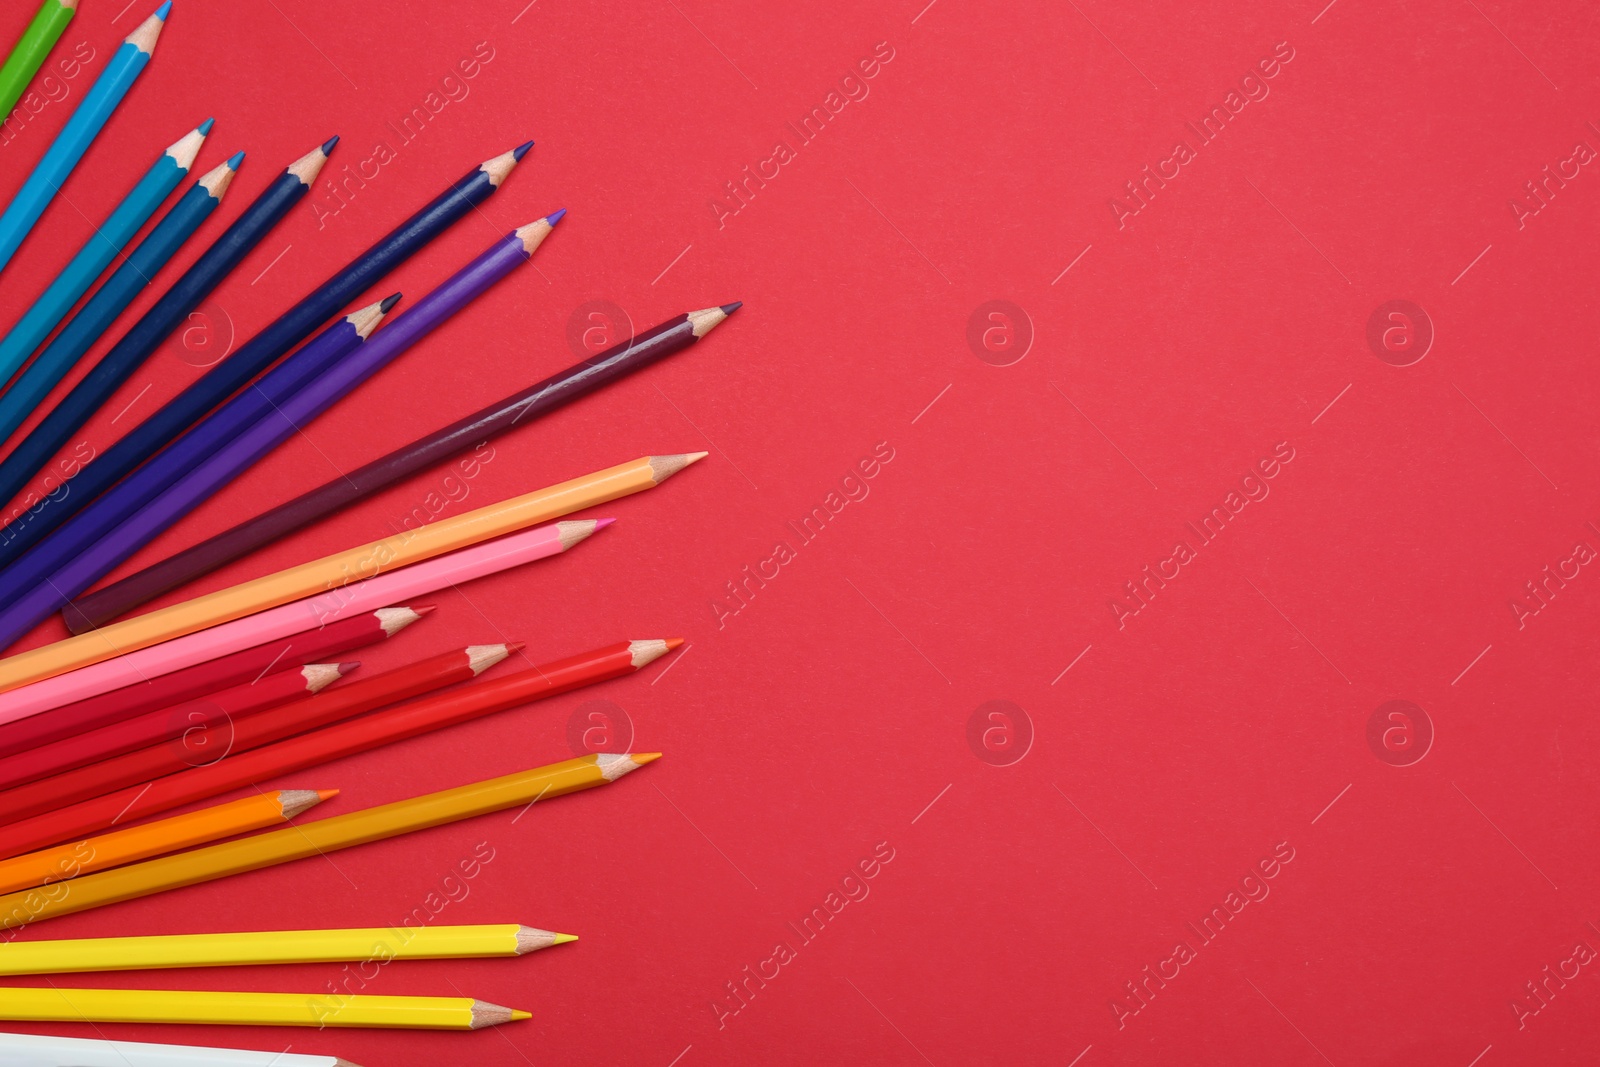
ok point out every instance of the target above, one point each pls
(79, 133)
(109, 238)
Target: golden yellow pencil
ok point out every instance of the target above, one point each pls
(317, 838)
(341, 568)
(381, 944)
(52, 1004)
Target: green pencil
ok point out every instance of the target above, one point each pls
(32, 50)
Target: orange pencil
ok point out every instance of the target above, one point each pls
(62, 862)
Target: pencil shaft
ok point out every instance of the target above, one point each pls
(37, 1050)
(123, 69)
(31, 50)
(260, 352)
(65, 862)
(76, 277)
(55, 1004)
(249, 949)
(519, 409)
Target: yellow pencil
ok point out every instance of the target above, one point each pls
(250, 1009)
(316, 838)
(277, 946)
(331, 572)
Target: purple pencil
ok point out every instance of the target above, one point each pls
(274, 389)
(238, 455)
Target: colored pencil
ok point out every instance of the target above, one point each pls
(197, 731)
(122, 70)
(91, 321)
(43, 725)
(66, 862)
(32, 49)
(119, 598)
(260, 352)
(56, 1004)
(94, 954)
(117, 641)
(427, 577)
(36, 1050)
(103, 246)
(264, 397)
(146, 335)
(318, 838)
(147, 769)
(49, 824)
(113, 528)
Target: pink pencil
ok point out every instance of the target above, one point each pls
(395, 587)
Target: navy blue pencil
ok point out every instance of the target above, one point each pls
(142, 339)
(259, 353)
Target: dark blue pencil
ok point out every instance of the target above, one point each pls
(260, 352)
(137, 345)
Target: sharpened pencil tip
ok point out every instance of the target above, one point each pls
(327, 794)
(641, 758)
(425, 609)
(234, 160)
(517, 1016)
(205, 127)
(348, 666)
(521, 150)
(674, 642)
(555, 216)
(601, 524)
(562, 939)
(163, 10)
(729, 309)
(388, 302)
(327, 146)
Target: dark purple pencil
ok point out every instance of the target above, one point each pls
(238, 455)
(504, 415)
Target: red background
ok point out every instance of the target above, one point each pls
(830, 712)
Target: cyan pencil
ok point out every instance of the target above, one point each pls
(127, 63)
(108, 239)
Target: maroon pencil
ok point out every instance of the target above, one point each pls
(206, 678)
(674, 335)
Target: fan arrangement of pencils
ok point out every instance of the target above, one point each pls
(103, 735)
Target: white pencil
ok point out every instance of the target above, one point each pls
(28, 1050)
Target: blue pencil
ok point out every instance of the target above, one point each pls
(86, 397)
(126, 64)
(108, 239)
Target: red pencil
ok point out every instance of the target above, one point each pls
(334, 742)
(233, 738)
(194, 725)
(209, 677)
